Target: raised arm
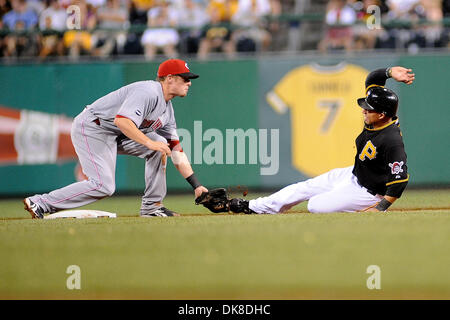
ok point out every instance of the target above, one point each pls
(378, 77)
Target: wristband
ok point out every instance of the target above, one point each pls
(383, 205)
(193, 181)
(389, 72)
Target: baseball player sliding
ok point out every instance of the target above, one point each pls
(139, 120)
(377, 178)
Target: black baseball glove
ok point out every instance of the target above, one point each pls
(216, 200)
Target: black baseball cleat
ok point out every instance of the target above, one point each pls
(160, 212)
(237, 205)
(35, 211)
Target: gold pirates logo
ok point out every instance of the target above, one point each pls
(368, 151)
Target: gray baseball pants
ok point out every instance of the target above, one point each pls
(97, 150)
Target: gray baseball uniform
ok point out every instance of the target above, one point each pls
(97, 140)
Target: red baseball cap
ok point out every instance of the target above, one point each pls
(176, 67)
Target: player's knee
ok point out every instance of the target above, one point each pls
(108, 187)
(109, 190)
(104, 189)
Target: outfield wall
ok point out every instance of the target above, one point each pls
(259, 123)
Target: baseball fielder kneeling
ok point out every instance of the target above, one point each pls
(138, 120)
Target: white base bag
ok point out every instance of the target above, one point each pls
(81, 214)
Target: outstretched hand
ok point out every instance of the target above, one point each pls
(402, 75)
(199, 190)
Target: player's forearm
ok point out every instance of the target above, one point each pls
(390, 199)
(182, 164)
(377, 77)
(185, 169)
(130, 130)
(385, 203)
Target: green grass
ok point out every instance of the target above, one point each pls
(207, 256)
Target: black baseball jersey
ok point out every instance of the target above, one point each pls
(380, 161)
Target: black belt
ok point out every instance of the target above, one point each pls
(368, 190)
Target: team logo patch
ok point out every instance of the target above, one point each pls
(139, 112)
(186, 66)
(146, 123)
(396, 167)
(369, 151)
(156, 125)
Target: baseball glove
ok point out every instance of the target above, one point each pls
(216, 200)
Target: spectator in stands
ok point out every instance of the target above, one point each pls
(137, 17)
(37, 6)
(54, 17)
(339, 20)
(112, 21)
(192, 17)
(446, 8)
(138, 11)
(415, 35)
(5, 7)
(52, 23)
(402, 9)
(432, 32)
(216, 35)
(276, 10)
(20, 13)
(20, 43)
(20, 19)
(80, 41)
(401, 13)
(224, 8)
(96, 3)
(365, 37)
(251, 33)
(65, 3)
(162, 34)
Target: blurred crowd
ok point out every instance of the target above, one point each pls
(390, 24)
(105, 28)
(115, 27)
